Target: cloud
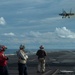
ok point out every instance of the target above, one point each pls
(37, 37)
(65, 33)
(9, 34)
(47, 37)
(2, 21)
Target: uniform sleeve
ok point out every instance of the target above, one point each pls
(37, 53)
(22, 55)
(3, 58)
(45, 53)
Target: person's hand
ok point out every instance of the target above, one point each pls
(7, 58)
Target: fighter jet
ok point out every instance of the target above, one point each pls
(65, 14)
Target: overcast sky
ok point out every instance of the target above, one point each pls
(36, 22)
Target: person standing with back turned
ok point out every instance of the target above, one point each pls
(41, 59)
(22, 59)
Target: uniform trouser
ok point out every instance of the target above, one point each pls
(4, 70)
(41, 64)
(22, 69)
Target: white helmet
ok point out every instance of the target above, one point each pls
(41, 47)
(2, 48)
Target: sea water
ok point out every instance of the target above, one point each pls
(33, 51)
(13, 51)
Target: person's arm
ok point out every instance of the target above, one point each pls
(45, 53)
(3, 58)
(37, 53)
(23, 55)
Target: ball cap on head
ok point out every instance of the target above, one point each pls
(2, 47)
(41, 47)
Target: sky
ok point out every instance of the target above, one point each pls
(37, 22)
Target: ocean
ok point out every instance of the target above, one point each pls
(13, 51)
(33, 51)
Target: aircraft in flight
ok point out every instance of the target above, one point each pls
(65, 14)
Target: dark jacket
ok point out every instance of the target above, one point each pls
(41, 53)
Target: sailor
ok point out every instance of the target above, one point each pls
(41, 59)
(22, 60)
(3, 61)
